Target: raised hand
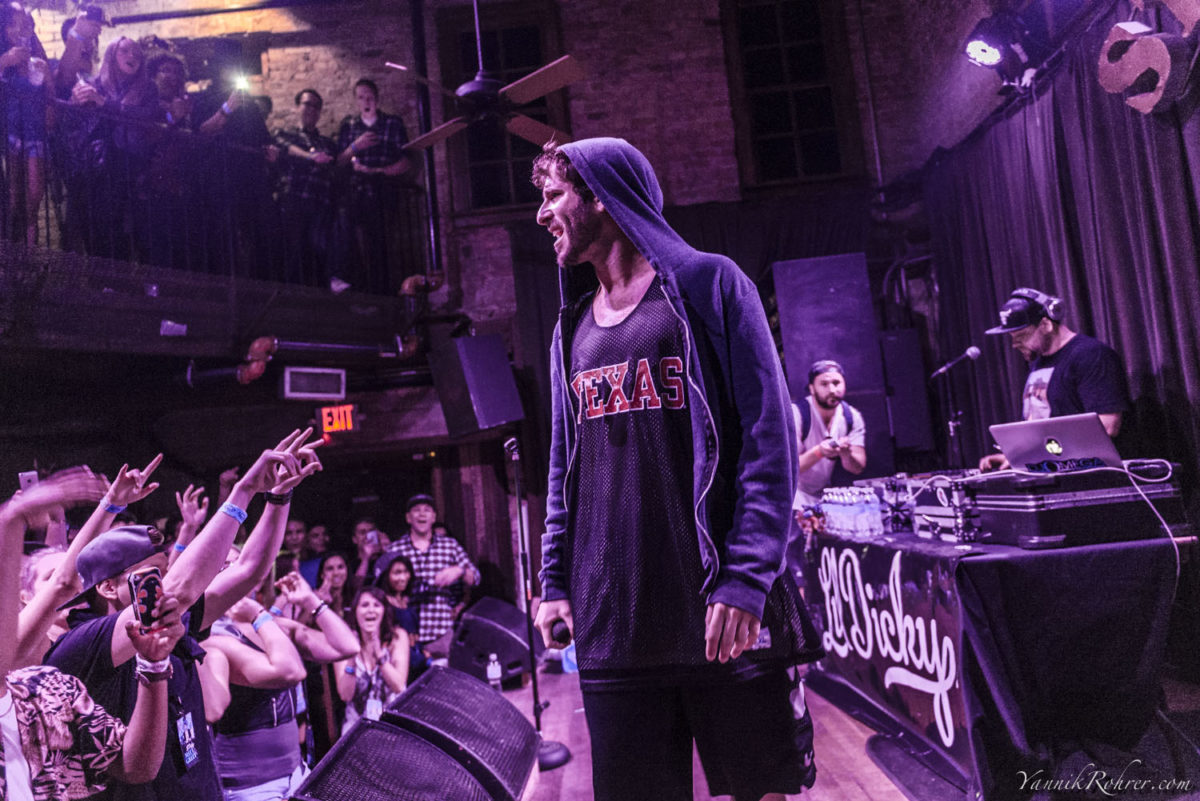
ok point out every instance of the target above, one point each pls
(193, 506)
(155, 643)
(262, 475)
(45, 500)
(305, 452)
(295, 590)
(131, 486)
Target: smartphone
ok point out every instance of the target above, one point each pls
(145, 590)
(241, 83)
(27, 479)
(373, 536)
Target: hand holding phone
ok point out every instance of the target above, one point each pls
(145, 592)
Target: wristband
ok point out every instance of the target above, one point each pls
(180, 547)
(349, 670)
(264, 617)
(353, 149)
(275, 610)
(278, 498)
(114, 508)
(225, 109)
(236, 512)
(147, 666)
(321, 607)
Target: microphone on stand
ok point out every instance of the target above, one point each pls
(971, 353)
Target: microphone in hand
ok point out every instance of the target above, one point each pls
(559, 632)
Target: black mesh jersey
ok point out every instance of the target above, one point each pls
(635, 561)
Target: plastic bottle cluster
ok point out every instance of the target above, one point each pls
(852, 512)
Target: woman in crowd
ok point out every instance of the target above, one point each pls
(373, 678)
(335, 587)
(24, 80)
(55, 742)
(254, 692)
(397, 580)
(113, 145)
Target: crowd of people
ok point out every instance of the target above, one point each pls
(136, 167)
(244, 672)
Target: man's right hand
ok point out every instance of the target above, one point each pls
(993, 461)
(550, 611)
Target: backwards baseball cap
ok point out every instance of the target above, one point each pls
(112, 553)
(1017, 313)
(824, 366)
(420, 497)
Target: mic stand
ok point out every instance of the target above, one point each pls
(551, 754)
(954, 457)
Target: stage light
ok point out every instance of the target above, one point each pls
(999, 42)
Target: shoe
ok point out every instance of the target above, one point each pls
(337, 286)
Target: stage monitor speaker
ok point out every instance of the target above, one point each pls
(475, 384)
(492, 626)
(377, 761)
(467, 718)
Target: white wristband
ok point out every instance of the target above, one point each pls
(147, 666)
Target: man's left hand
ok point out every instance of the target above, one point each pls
(728, 631)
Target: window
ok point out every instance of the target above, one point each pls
(491, 166)
(793, 104)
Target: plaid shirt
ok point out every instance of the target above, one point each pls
(303, 178)
(392, 139)
(435, 604)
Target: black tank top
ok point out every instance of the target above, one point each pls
(635, 561)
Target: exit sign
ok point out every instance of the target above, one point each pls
(337, 418)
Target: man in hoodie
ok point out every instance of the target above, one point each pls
(669, 497)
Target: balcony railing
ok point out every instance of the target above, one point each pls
(120, 186)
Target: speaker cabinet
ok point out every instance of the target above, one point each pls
(475, 384)
(448, 737)
(492, 626)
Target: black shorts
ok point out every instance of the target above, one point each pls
(754, 737)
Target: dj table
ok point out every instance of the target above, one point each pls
(989, 657)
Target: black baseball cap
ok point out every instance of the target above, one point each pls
(1018, 313)
(112, 553)
(420, 497)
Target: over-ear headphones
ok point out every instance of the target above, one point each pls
(1052, 306)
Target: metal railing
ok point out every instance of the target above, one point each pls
(121, 185)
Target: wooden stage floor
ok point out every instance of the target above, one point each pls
(844, 771)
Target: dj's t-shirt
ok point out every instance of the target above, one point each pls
(1085, 375)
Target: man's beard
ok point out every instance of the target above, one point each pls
(828, 402)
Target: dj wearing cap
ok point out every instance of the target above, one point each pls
(441, 565)
(829, 431)
(1069, 372)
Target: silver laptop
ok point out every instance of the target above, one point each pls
(1057, 444)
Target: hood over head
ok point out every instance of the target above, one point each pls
(622, 178)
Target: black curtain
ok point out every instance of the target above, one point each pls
(1073, 192)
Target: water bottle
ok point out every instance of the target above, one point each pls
(493, 672)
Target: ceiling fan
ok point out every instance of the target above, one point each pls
(484, 97)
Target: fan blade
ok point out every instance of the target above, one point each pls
(543, 81)
(437, 87)
(537, 132)
(446, 129)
